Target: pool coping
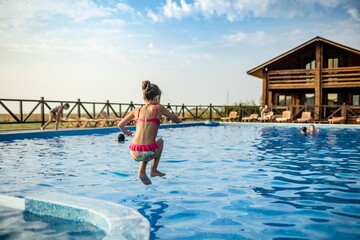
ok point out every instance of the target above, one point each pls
(117, 221)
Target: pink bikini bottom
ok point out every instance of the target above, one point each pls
(143, 152)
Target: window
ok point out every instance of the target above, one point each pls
(284, 100)
(356, 100)
(333, 62)
(332, 99)
(309, 99)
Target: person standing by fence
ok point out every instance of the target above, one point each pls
(56, 113)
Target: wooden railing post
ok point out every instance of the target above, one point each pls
(240, 111)
(94, 110)
(343, 110)
(21, 111)
(42, 110)
(78, 108)
(107, 106)
(183, 111)
(210, 113)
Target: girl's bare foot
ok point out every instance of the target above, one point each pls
(42, 128)
(157, 174)
(145, 179)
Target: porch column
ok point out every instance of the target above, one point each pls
(264, 93)
(317, 82)
(265, 88)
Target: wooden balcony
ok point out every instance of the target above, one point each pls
(303, 79)
(297, 78)
(341, 77)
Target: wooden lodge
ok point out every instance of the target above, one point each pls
(320, 76)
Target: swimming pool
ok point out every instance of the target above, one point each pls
(245, 181)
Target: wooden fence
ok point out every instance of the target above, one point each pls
(36, 111)
(21, 111)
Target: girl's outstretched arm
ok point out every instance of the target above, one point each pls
(125, 121)
(169, 115)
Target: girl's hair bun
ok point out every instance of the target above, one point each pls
(150, 90)
(146, 85)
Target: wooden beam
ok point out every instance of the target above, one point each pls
(318, 88)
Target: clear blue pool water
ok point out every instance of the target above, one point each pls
(246, 181)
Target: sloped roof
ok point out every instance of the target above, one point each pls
(258, 71)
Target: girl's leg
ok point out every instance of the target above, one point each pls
(51, 116)
(57, 119)
(142, 173)
(154, 172)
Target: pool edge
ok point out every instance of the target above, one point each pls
(117, 221)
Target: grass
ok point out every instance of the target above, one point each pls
(7, 123)
(24, 126)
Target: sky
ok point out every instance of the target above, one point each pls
(196, 51)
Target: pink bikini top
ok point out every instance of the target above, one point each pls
(153, 120)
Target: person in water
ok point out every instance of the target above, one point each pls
(312, 129)
(121, 138)
(145, 146)
(56, 113)
(303, 130)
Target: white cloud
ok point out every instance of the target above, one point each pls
(240, 9)
(238, 37)
(173, 10)
(113, 22)
(354, 14)
(258, 37)
(155, 18)
(27, 12)
(125, 8)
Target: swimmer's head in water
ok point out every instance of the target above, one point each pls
(121, 137)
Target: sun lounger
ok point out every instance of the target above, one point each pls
(337, 120)
(252, 117)
(88, 122)
(305, 117)
(232, 117)
(70, 121)
(267, 118)
(106, 120)
(286, 117)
